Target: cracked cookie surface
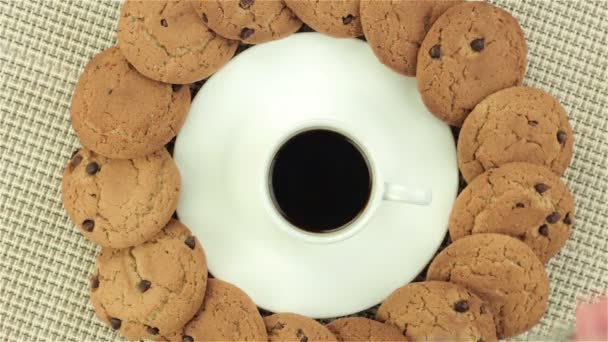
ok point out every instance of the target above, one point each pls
(438, 311)
(227, 314)
(519, 124)
(364, 329)
(395, 29)
(525, 201)
(250, 21)
(502, 271)
(119, 113)
(473, 50)
(119, 203)
(336, 18)
(152, 289)
(166, 41)
(294, 327)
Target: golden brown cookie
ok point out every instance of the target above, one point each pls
(119, 203)
(293, 327)
(438, 311)
(251, 21)
(119, 113)
(152, 289)
(502, 271)
(364, 329)
(227, 314)
(473, 50)
(167, 41)
(525, 201)
(395, 29)
(518, 124)
(336, 18)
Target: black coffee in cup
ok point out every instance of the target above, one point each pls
(320, 181)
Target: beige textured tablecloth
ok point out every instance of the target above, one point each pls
(45, 263)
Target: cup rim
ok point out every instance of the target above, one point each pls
(349, 229)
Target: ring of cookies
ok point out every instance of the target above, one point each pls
(121, 189)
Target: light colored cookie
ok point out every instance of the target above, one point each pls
(251, 21)
(120, 203)
(152, 289)
(227, 314)
(438, 311)
(473, 50)
(502, 271)
(364, 329)
(336, 18)
(119, 113)
(395, 29)
(167, 41)
(518, 124)
(292, 327)
(525, 201)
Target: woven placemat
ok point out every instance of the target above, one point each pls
(45, 263)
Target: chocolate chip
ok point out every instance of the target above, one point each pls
(190, 242)
(94, 282)
(176, 87)
(478, 44)
(144, 285)
(461, 306)
(561, 137)
(522, 237)
(92, 168)
(246, 32)
(187, 338)
(553, 217)
(533, 123)
(88, 225)
(347, 20)
(245, 4)
(520, 205)
(304, 339)
(568, 219)
(543, 230)
(541, 188)
(435, 52)
(115, 323)
(163, 23)
(76, 160)
(299, 332)
(205, 19)
(152, 331)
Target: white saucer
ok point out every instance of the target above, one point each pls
(237, 121)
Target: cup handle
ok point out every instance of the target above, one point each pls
(400, 193)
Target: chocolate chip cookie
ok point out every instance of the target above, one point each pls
(250, 21)
(502, 271)
(167, 41)
(473, 50)
(152, 289)
(395, 29)
(519, 124)
(525, 201)
(293, 327)
(227, 314)
(119, 113)
(438, 311)
(336, 18)
(364, 329)
(119, 203)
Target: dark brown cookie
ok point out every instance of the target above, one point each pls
(167, 41)
(336, 18)
(473, 50)
(525, 201)
(152, 289)
(502, 271)
(251, 21)
(518, 124)
(121, 114)
(395, 29)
